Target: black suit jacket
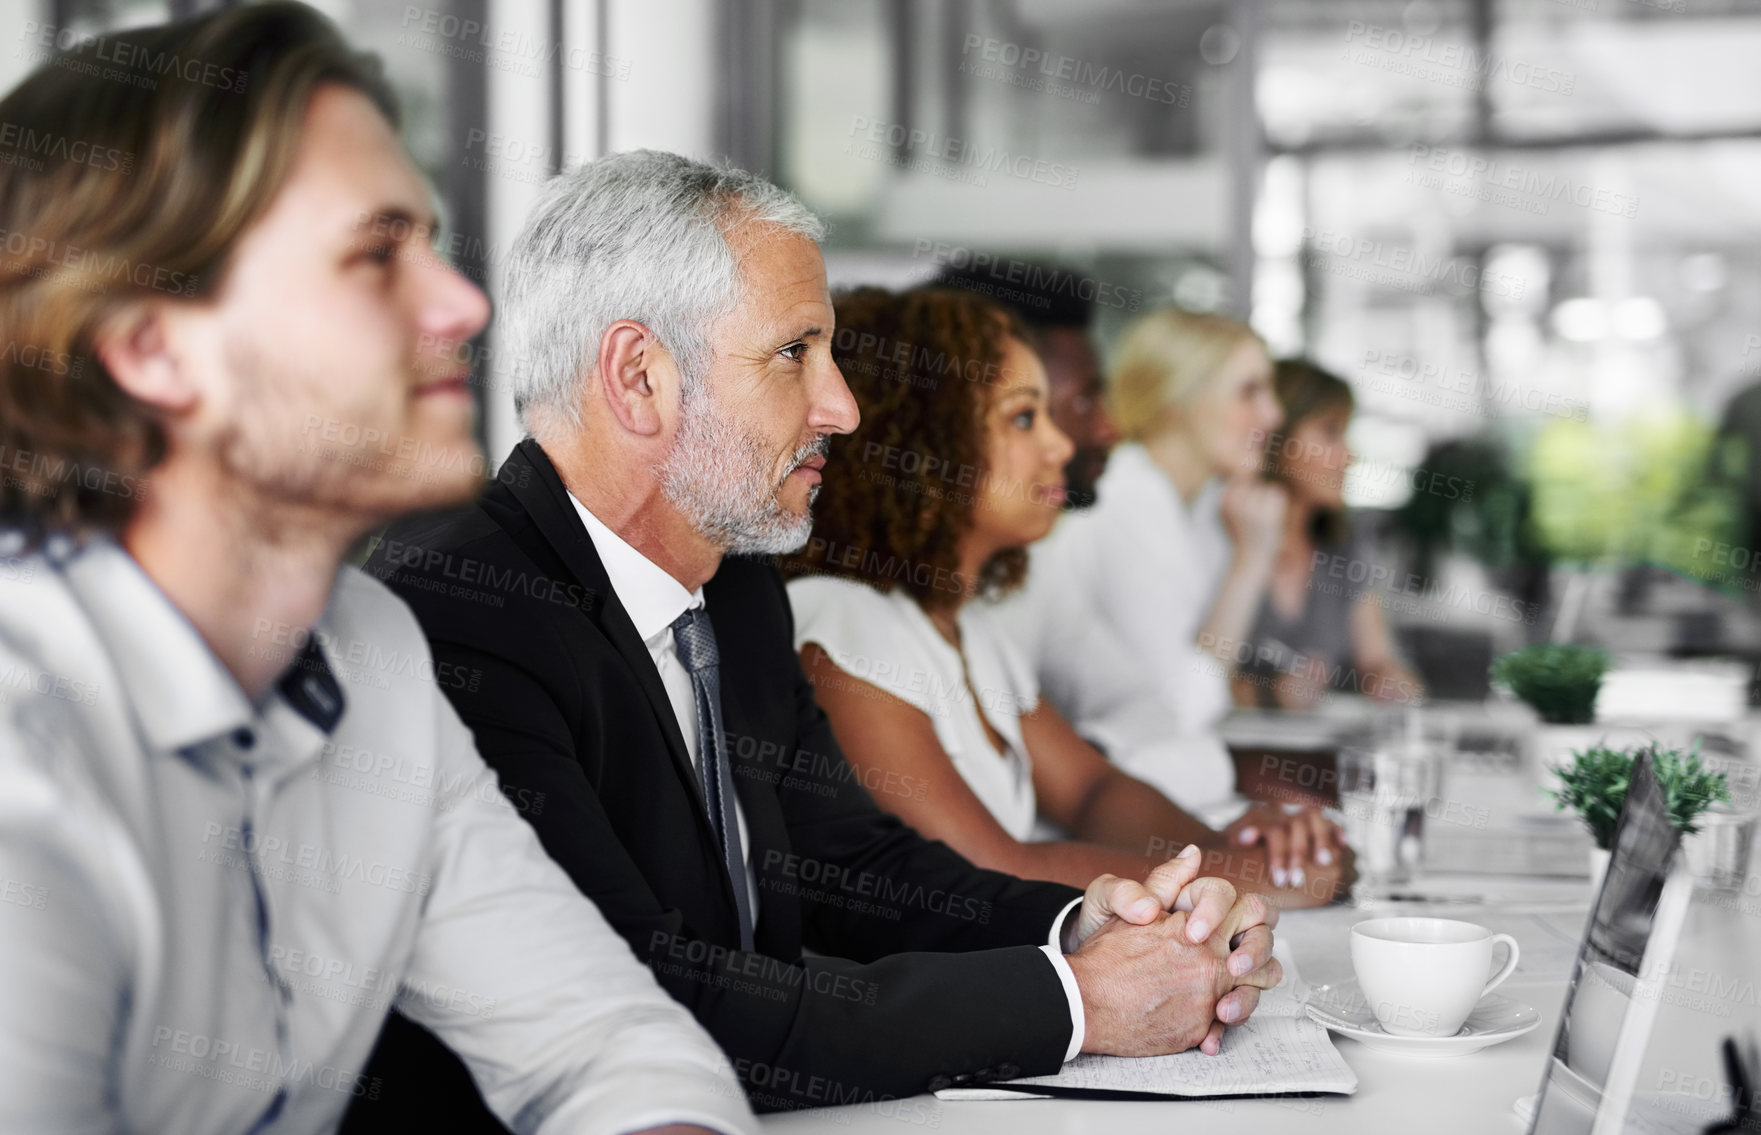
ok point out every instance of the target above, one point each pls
(930, 971)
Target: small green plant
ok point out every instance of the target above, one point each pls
(1559, 679)
(1595, 786)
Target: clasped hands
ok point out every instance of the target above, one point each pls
(1165, 964)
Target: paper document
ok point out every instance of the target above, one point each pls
(1279, 1050)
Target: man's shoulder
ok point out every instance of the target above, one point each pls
(428, 544)
(48, 647)
(469, 567)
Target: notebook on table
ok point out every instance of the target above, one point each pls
(1278, 1052)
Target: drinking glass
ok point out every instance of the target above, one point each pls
(1384, 791)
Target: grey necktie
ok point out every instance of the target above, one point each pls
(695, 640)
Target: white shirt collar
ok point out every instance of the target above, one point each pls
(651, 597)
(180, 691)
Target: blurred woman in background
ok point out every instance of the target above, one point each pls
(1178, 549)
(1319, 627)
(954, 469)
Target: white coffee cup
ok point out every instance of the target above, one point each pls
(1423, 976)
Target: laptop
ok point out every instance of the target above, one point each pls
(1618, 980)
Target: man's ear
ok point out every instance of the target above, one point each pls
(636, 375)
(135, 345)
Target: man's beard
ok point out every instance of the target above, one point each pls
(722, 479)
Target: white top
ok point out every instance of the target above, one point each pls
(887, 640)
(1109, 618)
(211, 905)
(653, 599)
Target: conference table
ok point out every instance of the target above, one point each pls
(1524, 873)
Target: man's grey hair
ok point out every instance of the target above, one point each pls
(640, 235)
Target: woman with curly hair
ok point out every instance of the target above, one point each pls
(929, 504)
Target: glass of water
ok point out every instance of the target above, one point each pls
(1384, 791)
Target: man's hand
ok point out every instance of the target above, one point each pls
(1150, 988)
(1296, 839)
(1175, 885)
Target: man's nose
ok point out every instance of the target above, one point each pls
(834, 408)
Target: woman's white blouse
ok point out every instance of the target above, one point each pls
(886, 640)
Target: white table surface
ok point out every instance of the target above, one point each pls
(1714, 992)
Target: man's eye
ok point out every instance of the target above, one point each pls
(796, 351)
(1024, 419)
(379, 254)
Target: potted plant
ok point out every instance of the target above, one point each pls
(1594, 785)
(1559, 681)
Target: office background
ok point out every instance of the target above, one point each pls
(1527, 231)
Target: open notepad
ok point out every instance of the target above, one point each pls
(1279, 1051)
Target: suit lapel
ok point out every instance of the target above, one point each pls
(541, 493)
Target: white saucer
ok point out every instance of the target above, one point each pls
(1342, 1008)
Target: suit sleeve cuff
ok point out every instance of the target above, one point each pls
(1054, 950)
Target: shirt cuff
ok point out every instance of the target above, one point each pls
(1054, 949)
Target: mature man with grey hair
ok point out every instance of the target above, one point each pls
(643, 703)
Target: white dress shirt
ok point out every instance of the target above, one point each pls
(1109, 617)
(226, 898)
(653, 599)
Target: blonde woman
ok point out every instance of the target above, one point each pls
(1175, 556)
